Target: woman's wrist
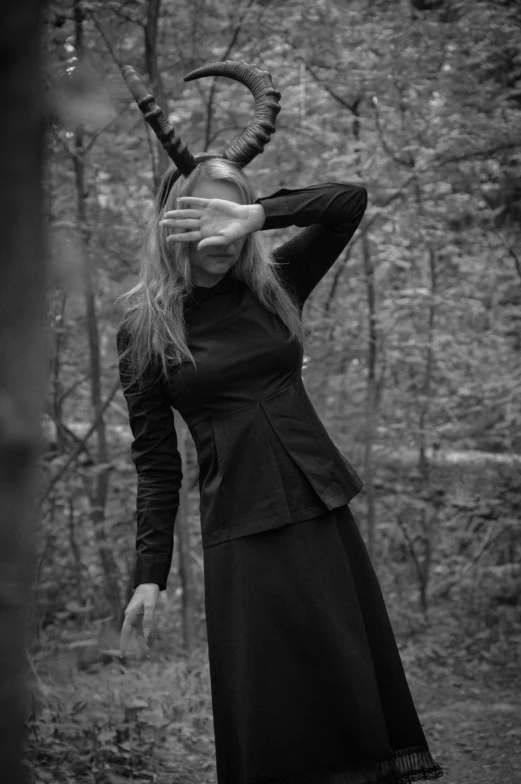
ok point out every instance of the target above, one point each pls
(256, 217)
(147, 586)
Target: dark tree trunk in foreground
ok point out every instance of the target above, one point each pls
(22, 352)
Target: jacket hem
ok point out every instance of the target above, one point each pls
(259, 524)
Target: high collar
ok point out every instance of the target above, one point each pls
(203, 293)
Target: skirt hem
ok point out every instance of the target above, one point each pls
(405, 767)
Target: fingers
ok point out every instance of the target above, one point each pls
(132, 642)
(195, 236)
(143, 645)
(209, 242)
(148, 619)
(129, 640)
(177, 223)
(175, 214)
(126, 632)
(187, 236)
(193, 201)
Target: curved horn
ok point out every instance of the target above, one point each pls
(155, 117)
(267, 106)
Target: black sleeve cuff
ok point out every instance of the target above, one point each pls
(276, 210)
(152, 569)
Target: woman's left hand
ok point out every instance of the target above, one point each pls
(212, 222)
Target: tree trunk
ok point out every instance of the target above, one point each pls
(22, 352)
(370, 400)
(58, 313)
(428, 519)
(99, 490)
(429, 367)
(156, 83)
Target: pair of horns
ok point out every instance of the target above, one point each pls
(247, 146)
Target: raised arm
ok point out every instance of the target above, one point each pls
(331, 213)
(159, 474)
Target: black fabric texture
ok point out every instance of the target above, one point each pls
(307, 681)
(265, 458)
(330, 212)
(159, 473)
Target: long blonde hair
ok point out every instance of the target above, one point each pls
(154, 323)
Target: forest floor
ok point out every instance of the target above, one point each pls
(99, 721)
(473, 728)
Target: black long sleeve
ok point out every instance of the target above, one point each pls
(331, 213)
(159, 474)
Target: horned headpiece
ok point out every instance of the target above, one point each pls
(244, 149)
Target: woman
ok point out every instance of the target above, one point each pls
(306, 679)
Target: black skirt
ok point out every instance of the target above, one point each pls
(307, 681)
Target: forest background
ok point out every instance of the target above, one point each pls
(413, 355)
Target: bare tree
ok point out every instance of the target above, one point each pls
(371, 402)
(98, 491)
(153, 8)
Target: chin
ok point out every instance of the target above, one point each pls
(222, 264)
(221, 259)
(215, 267)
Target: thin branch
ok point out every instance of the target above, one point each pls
(68, 149)
(81, 446)
(410, 546)
(221, 130)
(351, 107)
(465, 156)
(225, 56)
(96, 134)
(454, 579)
(93, 136)
(119, 12)
(402, 161)
(437, 161)
(107, 41)
(67, 392)
(72, 435)
(517, 262)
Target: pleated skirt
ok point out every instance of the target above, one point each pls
(306, 678)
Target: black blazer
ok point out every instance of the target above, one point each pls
(265, 458)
